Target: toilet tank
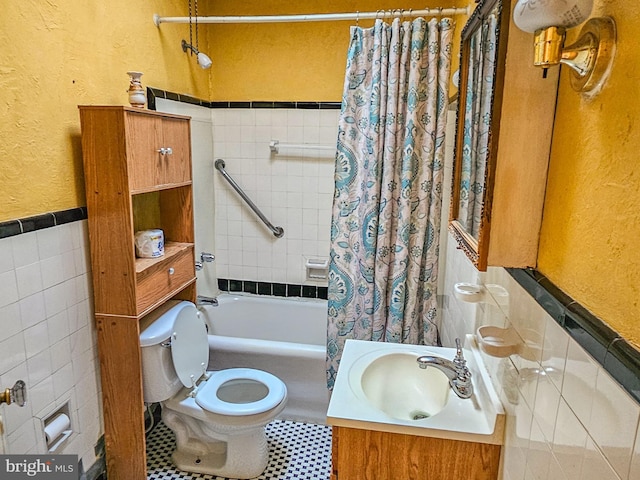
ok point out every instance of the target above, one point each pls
(159, 379)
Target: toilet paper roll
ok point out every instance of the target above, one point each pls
(56, 427)
(149, 243)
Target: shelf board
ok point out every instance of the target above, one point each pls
(159, 188)
(171, 249)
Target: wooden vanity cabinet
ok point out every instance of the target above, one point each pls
(373, 455)
(133, 182)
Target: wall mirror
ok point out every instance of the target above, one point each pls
(482, 55)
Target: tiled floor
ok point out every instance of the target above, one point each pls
(297, 451)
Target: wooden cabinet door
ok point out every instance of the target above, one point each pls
(158, 151)
(144, 138)
(177, 165)
(372, 455)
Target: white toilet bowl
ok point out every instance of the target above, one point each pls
(218, 417)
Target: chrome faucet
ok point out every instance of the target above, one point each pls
(202, 300)
(204, 258)
(456, 371)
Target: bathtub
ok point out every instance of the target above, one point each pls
(283, 336)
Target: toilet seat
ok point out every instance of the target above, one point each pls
(207, 395)
(189, 344)
(190, 354)
(256, 391)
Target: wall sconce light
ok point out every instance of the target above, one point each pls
(203, 60)
(589, 58)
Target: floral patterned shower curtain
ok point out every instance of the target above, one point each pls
(388, 186)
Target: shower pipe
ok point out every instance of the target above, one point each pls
(278, 232)
(315, 17)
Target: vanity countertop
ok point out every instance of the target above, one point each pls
(477, 419)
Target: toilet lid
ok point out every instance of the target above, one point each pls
(189, 345)
(241, 391)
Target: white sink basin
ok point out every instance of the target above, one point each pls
(396, 385)
(380, 387)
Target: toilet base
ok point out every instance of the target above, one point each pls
(200, 450)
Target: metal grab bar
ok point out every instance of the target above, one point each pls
(275, 146)
(277, 231)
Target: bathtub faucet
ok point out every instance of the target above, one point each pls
(202, 300)
(456, 371)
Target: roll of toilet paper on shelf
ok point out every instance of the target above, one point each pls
(56, 427)
(149, 243)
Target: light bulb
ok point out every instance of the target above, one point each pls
(203, 60)
(532, 15)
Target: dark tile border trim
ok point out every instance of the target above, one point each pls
(273, 289)
(154, 93)
(98, 470)
(616, 355)
(38, 222)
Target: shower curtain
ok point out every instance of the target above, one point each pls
(388, 186)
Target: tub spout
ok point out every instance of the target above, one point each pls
(456, 371)
(202, 300)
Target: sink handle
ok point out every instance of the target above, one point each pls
(459, 360)
(462, 383)
(459, 349)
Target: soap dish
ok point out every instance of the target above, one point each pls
(498, 342)
(468, 292)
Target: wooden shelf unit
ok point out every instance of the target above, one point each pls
(131, 185)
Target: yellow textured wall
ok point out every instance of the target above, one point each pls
(591, 221)
(57, 54)
(290, 61)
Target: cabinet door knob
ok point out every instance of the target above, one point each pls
(172, 270)
(165, 151)
(17, 394)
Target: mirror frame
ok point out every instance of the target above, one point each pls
(477, 249)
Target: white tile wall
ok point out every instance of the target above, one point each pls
(567, 419)
(47, 338)
(294, 190)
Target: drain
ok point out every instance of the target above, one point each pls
(418, 415)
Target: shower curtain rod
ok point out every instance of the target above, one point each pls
(314, 17)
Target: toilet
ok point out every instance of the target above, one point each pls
(218, 417)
